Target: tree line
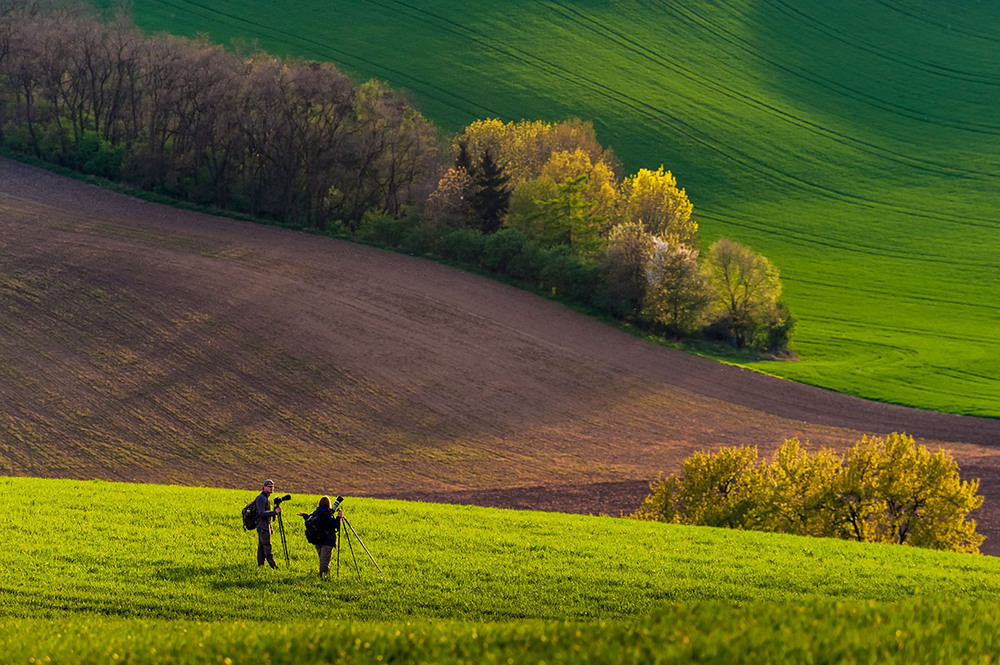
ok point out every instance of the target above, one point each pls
(547, 204)
(291, 140)
(298, 142)
(884, 490)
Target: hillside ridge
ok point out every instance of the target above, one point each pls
(147, 343)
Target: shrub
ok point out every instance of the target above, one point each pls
(502, 248)
(777, 331)
(382, 229)
(98, 157)
(565, 273)
(421, 238)
(721, 490)
(463, 245)
(885, 489)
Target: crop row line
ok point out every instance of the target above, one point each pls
(948, 26)
(869, 325)
(695, 19)
(909, 62)
(910, 296)
(794, 233)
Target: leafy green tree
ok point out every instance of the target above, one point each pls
(556, 213)
(569, 203)
(746, 289)
(602, 184)
(523, 212)
(568, 214)
(677, 291)
(480, 137)
(802, 497)
(724, 489)
(893, 491)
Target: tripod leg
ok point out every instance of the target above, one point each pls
(362, 543)
(338, 550)
(348, 538)
(284, 545)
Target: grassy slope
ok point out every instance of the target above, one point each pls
(102, 568)
(857, 145)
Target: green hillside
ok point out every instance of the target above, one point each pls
(855, 144)
(113, 572)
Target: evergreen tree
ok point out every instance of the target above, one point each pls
(462, 159)
(492, 194)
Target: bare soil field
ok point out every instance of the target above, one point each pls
(145, 343)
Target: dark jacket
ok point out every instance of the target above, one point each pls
(330, 524)
(264, 512)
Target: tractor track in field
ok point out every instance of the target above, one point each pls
(150, 344)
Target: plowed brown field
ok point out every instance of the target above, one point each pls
(144, 343)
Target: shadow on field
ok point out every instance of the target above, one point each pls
(218, 576)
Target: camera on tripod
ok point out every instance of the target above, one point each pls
(279, 499)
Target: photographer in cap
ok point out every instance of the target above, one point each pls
(264, 516)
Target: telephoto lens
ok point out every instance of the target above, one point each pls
(336, 504)
(278, 500)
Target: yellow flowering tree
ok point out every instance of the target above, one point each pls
(653, 198)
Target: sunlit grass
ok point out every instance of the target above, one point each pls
(94, 568)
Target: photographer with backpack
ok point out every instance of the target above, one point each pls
(262, 508)
(322, 528)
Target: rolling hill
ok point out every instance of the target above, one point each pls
(857, 145)
(145, 343)
(462, 584)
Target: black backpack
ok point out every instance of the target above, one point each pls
(314, 530)
(250, 516)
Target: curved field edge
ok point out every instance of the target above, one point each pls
(854, 148)
(161, 573)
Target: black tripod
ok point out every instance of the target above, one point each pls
(284, 545)
(348, 538)
(281, 527)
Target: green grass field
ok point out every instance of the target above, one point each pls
(107, 572)
(856, 144)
